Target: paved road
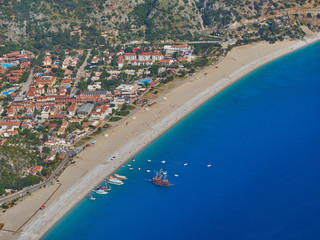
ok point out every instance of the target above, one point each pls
(24, 88)
(81, 73)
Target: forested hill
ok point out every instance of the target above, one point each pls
(46, 23)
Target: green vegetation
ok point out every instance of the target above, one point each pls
(123, 113)
(14, 162)
(114, 119)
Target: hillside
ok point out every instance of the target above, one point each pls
(43, 24)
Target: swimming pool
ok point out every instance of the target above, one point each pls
(7, 93)
(6, 65)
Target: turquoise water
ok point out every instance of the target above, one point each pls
(261, 136)
(6, 65)
(7, 93)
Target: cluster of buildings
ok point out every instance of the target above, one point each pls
(13, 65)
(67, 116)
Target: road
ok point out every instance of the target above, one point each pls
(81, 73)
(24, 88)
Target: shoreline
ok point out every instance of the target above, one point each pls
(93, 164)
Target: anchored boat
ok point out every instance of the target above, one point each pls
(161, 179)
(114, 180)
(120, 177)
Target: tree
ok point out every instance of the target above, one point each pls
(46, 150)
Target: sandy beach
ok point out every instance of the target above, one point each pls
(23, 221)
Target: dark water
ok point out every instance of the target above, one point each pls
(261, 136)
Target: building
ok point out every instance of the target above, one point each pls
(177, 48)
(130, 56)
(128, 90)
(33, 170)
(157, 56)
(72, 110)
(84, 110)
(120, 61)
(101, 112)
(47, 62)
(145, 56)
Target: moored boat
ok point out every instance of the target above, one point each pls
(120, 177)
(113, 180)
(104, 188)
(100, 191)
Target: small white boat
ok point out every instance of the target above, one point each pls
(149, 160)
(128, 165)
(113, 180)
(176, 175)
(100, 191)
(148, 171)
(139, 169)
(131, 168)
(185, 164)
(209, 165)
(163, 161)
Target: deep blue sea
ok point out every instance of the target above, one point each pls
(262, 138)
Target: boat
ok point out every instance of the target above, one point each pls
(131, 168)
(120, 177)
(209, 165)
(161, 179)
(104, 188)
(100, 191)
(113, 180)
(148, 171)
(91, 198)
(163, 161)
(185, 164)
(176, 175)
(149, 160)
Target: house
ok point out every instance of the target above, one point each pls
(47, 62)
(147, 62)
(135, 62)
(177, 48)
(101, 112)
(61, 131)
(145, 56)
(33, 170)
(11, 125)
(157, 56)
(120, 61)
(24, 66)
(51, 90)
(85, 109)
(129, 90)
(45, 113)
(130, 56)
(72, 110)
(10, 133)
(166, 62)
(45, 80)
(64, 124)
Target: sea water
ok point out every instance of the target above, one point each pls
(261, 137)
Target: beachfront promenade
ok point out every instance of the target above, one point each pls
(124, 141)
